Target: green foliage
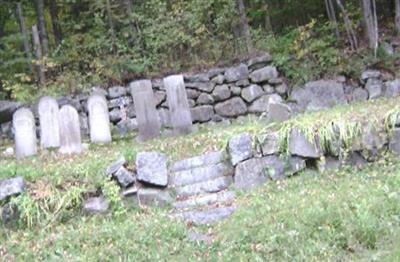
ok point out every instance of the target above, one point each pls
(112, 192)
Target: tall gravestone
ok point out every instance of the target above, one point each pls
(147, 116)
(25, 133)
(49, 123)
(181, 118)
(70, 132)
(99, 119)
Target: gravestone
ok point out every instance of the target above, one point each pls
(99, 120)
(146, 114)
(181, 118)
(25, 133)
(70, 132)
(49, 123)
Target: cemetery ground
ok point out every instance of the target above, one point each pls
(342, 215)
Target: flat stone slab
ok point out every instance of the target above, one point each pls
(96, 205)
(11, 187)
(114, 167)
(221, 198)
(153, 197)
(152, 168)
(203, 160)
(200, 174)
(210, 186)
(207, 217)
(124, 177)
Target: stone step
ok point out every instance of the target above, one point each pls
(198, 161)
(199, 174)
(210, 186)
(222, 198)
(209, 216)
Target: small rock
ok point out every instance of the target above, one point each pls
(282, 89)
(236, 90)
(369, 74)
(197, 78)
(252, 92)
(221, 93)
(240, 148)
(360, 94)
(261, 104)
(242, 83)
(232, 107)
(219, 79)
(124, 177)
(115, 115)
(9, 214)
(111, 170)
(260, 60)
(268, 89)
(96, 205)
(374, 87)
(394, 142)
(269, 143)
(126, 126)
(235, 74)
(205, 99)
(264, 74)
(299, 145)
(130, 191)
(116, 91)
(278, 112)
(201, 86)
(392, 88)
(11, 187)
(192, 94)
(152, 168)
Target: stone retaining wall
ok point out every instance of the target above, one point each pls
(222, 94)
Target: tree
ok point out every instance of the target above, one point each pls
(24, 33)
(55, 21)
(351, 35)
(397, 15)
(39, 56)
(44, 39)
(330, 10)
(371, 23)
(244, 24)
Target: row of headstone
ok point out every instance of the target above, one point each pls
(60, 128)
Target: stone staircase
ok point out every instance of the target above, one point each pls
(202, 186)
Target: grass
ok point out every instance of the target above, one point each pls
(335, 216)
(347, 215)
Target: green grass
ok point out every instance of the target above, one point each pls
(338, 216)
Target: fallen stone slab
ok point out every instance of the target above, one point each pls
(154, 197)
(203, 160)
(220, 198)
(200, 174)
(210, 186)
(208, 216)
(96, 205)
(114, 167)
(11, 187)
(240, 148)
(152, 168)
(124, 177)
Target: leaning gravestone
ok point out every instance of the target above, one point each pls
(49, 123)
(181, 118)
(70, 132)
(99, 119)
(25, 133)
(146, 113)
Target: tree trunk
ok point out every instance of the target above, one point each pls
(42, 26)
(111, 25)
(55, 21)
(351, 35)
(39, 56)
(397, 18)
(371, 23)
(267, 20)
(246, 34)
(330, 10)
(24, 33)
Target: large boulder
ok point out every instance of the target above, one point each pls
(240, 148)
(319, 95)
(11, 187)
(264, 74)
(152, 168)
(237, 73)
(7, 109)
(231, 108)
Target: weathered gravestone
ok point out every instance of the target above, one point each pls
(49, 122)
(99, 119)
(70, 132)
(25, 133)
(146, 113)
(181, 118)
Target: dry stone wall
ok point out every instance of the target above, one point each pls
(222, 94)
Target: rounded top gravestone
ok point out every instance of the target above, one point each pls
(99, 119)
(49, 122)
(25, 133)
(70, 132)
